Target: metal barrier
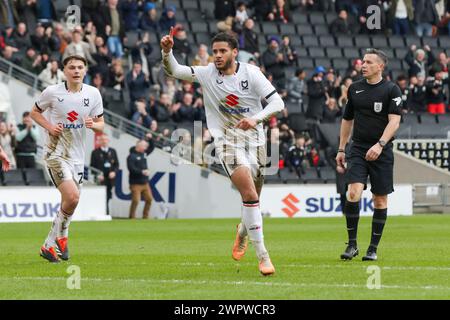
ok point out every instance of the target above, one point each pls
(429, 194)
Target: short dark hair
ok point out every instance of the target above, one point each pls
(226, 37)
(298, 72)
(74, 57)
(378, 53)
(26, 114)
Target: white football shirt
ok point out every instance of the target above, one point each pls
(70, 109)
(231, 98)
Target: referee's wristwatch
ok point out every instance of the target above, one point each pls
(382, 143)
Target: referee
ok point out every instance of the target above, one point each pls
(373, 111)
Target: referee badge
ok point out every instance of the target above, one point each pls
(377, 106)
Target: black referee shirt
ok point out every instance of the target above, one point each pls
(369, 106)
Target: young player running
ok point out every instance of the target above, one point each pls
(69, 108)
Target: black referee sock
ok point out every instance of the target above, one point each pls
(351, 211)
(378, 221)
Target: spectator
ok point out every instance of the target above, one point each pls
(402, 82)
(139, 179)
(248, 39)
(280, 12)
(141, 116)
(27, 12)
(332, 84)
(8, 37)
(290, 55)
(418, 60)
(39, 39)
(91, 11)
(273, 61)
(316, 94)
(7, 142)
(79, 47)
(202, 58)
(343, 25)
(436, 95)
(314, 158)
(105, 160)
(342, 101)
(417, 100)
(149, 21)
(117, 76)
(355, 71)
(114, 28)
(45, 12)
(130, 11)
(8, 13)
(425, 17)
(142, 52)
(199, 110)
(224, 9)
(9, 53)
(296, 88)
(401, 13)
(441, 65)
(52, 74)
(137, 83)
(296, 156)
(186, 87)
(185, 111)
(241, 13)
(261, 9)
(32, 61)
(97, 81)
(26, 138)
(21, 37)
(181, 46)
(90, 36)
(103, 60)
(62, 38)
(161, 109)
(167, 19)
(331, 112)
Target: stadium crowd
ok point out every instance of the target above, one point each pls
(35, 37)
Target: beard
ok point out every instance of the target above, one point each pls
(226, 65)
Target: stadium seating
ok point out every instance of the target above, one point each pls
(13, 178)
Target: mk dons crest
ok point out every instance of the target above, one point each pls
(377, 106)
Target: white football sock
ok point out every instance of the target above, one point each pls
(54, 231)
(242, 229)
(64, 219)
(252, 218)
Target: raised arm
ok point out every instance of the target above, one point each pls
(170, 64)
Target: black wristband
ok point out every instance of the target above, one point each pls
(341, 150)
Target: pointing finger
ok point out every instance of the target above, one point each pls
(171, 32)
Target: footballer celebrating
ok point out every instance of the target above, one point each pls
(64, 111)
(373, 110)
(232, 92)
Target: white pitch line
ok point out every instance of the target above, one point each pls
(232, 283)
(343, 265)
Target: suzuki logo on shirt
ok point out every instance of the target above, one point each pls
(72, 116)
(232, 101)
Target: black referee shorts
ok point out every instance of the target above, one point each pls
(380, 171)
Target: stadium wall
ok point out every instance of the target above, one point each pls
(40, 204)
(408, 169)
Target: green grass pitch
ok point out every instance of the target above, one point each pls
(191, 259)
